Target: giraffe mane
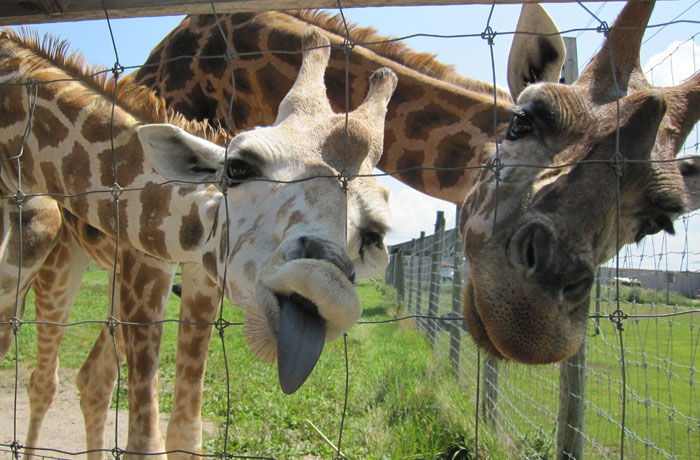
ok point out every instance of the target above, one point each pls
(139, 101)
(390, 48)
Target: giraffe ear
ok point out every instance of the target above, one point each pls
(180, 156)
(537, 53)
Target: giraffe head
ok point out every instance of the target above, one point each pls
(545, 212)
(292, 234)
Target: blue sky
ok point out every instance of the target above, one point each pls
(470, 56)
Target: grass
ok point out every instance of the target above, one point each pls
(402, 403)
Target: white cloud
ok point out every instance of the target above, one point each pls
(673, 65)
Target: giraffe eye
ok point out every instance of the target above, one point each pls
(652, 226)
(369, 239)
(238, 171)
(519, 127)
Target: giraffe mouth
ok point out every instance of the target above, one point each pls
(302, 334)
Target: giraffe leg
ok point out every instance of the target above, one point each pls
(97, 378)
(41, 227)
(200, 303)
(144, 293)
(55, 288)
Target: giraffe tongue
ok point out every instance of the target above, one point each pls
(300, 341)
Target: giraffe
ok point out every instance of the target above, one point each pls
(291, 227)
(569, 186)
(439, 127)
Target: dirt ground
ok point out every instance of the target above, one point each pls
(63, 427)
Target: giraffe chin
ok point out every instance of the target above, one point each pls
(497, 340)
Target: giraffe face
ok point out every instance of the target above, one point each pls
(583, 170)
(288, 230)
(535, 235)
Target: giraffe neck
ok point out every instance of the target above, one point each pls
(437, 124)
(69, 155)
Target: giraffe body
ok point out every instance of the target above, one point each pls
(253, 266)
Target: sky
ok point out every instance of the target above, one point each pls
(413, 212)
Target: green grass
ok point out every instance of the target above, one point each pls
(402, 402)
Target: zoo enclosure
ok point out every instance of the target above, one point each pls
(536, 386)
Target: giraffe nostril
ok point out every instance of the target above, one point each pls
(320, 249)
(531, 248)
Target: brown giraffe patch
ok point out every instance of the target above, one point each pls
(409, 167)
(96, 126)
(75, 167)
(129, 159)
(296, 218)
(284, 209)
(70, 108)
(250, 270)
(420, 123)
(154, 209)
(192, 229)
(12, 100)
(209, 263)
(273, 85)
(47, 128)
(53, 180)
(179, 73)
(10, 65)
(454, 149)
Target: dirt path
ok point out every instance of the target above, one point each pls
(63, 427)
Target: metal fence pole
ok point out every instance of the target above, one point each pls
(435, 275)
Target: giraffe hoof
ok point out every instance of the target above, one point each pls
(300, 341)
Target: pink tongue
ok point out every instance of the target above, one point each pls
(300, 342)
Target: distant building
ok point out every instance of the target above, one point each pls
(683, 283)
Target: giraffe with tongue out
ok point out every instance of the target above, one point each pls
(271, 223)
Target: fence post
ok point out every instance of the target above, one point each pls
(572, 372)
(411, 268)
(456, 326)
(435, 275)
(489, 393)
(398, 275)
(572, 389)
(419, 276)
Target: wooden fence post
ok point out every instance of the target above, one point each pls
(398, 275)
(489, 392)
(409, 278)
(435, 275)
(572, 372)
(456, 326)
(419, 275)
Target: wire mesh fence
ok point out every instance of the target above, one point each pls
(656, 341)
(522, 404)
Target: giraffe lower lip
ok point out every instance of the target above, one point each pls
(300, 342)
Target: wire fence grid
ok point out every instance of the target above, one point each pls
(633, 348)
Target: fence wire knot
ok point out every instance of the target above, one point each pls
(116, 191)
(603, 28)
(488, 34)
(117, 452)
(15, 323)
(495, 166)
(220, 325)
(112, 323)
(617, 317)
(15, 447)
(19, 197)
(229, 56)
(117, 69)
(617, 162)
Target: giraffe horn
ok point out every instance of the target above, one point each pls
(308, 94)
(373, 109)
(625, 41)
